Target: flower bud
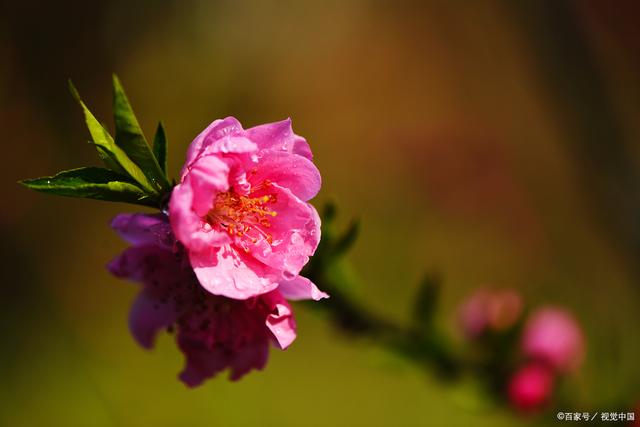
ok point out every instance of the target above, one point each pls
(530, 387)
(553, 336)
(489, 310)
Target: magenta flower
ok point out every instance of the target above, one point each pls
(241, 209)
(531, 387)
(213, 332)
(553, 336)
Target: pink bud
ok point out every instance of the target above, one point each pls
(504, 309)
(530, 387)
(552, 335)
(485, 310)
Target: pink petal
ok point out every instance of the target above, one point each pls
(218, 129)
(201, 363)
(188, 226)
(231, 273)
(138, 263)
(281, 322)
(295, 232)
(279, 136)
(300, 288)
(251, 356)
(296, 173)
(238, 176)
(207, 176)
(139, 229)
(147, 316)
(230, 144)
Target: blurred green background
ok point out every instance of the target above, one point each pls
(495, 142)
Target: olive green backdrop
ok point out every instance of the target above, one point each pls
(493, 142)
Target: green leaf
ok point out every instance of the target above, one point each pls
(108, 161)
(329, 212)
(347, 239)
(91, 183)
(130, 138)
(102, 139)
(160, 145)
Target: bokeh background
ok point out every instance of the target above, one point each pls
(495, 142)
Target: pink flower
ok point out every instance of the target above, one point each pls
(241, 209)
(489, 310)
(530, 387)
(213, 332)
(553, 336)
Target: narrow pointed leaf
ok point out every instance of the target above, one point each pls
(109, 161)
(160, 146)
(130, 138)
(91, 183)
(102, 139)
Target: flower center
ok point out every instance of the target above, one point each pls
(244, 216)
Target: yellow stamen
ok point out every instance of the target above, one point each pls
(243, 216)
